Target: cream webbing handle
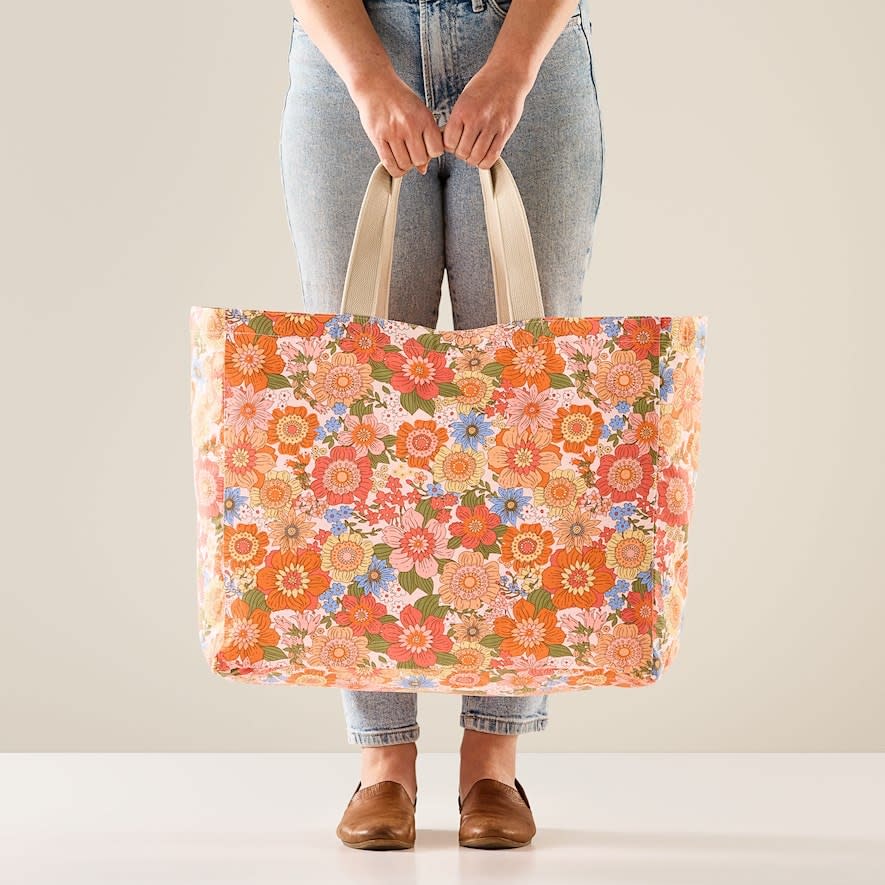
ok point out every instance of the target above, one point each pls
(514, 271)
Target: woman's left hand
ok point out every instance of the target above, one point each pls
(485, 115)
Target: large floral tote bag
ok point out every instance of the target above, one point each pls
(501, 511)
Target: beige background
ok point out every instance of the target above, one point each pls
(743, 180)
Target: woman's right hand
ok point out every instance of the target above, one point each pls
(399, 124)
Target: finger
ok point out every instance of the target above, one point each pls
(389, 160)
(481, 146)
(466, 142)
(401, 154)
(493, 152)
(433, 140)
(452, 134)
(417, 150)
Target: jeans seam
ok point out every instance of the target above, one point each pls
(394, 730)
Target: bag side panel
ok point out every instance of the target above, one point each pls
(682, 363)
(207, 336)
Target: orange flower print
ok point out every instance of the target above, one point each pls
(525, 547)
(275, 491)
(673, 609)
(338, 649)
(292, 429)
(366, 342)
(472, 658)
(622, 376)
(245, 545)
(624, 649)
(246, 457)
(302, 325)
(416, 638)
(417, 443)
(578, 578)
(470, 359)
(640, 335)
(346, 555)
(523, 459)
(625, 475)
(249, 358)
(341, 476)
(361, 614)
(418, 369)
(688, 384)
(683, 334)
(597, 677)
(561, 491)
(475, 526)
(642, 430)
(629, 552)
(640, 610)
(476, 391)
(341, 380)
(292, 580)
(577, 427)
(582, 326)
(248, 633)
(468, 676)
(458, 468)
(365, 434)
(291, 530)
(530, 361)
(576, 529)
(675, 496)
(472, 628)
(530, 631)
(470, 582)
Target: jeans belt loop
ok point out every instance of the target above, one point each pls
(478, 5)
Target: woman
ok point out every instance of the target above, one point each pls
(445, 87)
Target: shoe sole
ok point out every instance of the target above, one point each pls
(491, 842)
(380, 844)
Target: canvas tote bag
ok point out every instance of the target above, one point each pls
(496, 511)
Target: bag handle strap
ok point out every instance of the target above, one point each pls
(514, 270)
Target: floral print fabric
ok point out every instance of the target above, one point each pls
(499, 511)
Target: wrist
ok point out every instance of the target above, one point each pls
(511, 70)
(371, 79)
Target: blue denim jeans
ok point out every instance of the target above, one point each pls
(556, 157)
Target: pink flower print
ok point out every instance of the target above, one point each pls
(530, 408)
(415, 545)
(366, 434)
(246, 409)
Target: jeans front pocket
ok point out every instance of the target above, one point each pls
(500, 7)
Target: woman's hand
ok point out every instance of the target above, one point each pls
(485, 115)
(399, 124)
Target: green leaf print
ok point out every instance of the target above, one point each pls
(276, 382)
(272, 653)
(262, 324)
(256, 599)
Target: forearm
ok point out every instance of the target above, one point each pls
(345, 35)
(530, 29)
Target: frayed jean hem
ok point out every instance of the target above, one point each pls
(384, 738)
(496, 725)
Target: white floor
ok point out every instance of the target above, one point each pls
(602, 818)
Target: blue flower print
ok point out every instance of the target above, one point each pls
(508, 504)
(378, 576)
(234, 500)
(471, 431)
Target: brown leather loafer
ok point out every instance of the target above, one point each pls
(379, 816)
(495, 815)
